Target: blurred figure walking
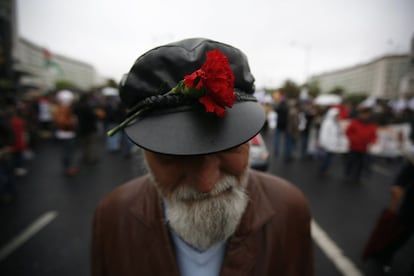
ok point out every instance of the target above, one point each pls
(44, 116)
(87, 129)
(395, 225)
(281, 124)
(306, 118)
(361, 133)
(331, 140)
(287, 127)
(126, 143)
(113, 115)
(65, 122)
(20, 133)
(292, 130)
(7, 187)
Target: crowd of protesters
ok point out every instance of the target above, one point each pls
(319, 132)
(307, 130)
(77, 121)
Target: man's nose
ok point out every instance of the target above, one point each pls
(204, 173)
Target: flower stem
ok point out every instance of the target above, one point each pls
(124, 123)
(180, 88)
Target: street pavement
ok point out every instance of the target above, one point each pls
(47, 230)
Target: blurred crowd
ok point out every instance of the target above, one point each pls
(356, 132)
(306, 129)
(78, 122)
(303, 129)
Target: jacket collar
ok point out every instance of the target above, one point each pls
(147, 208)
(243, 246)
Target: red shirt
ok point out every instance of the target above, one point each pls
(360, 135)
(18, 130)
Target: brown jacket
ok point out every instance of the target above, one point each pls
(130, 236)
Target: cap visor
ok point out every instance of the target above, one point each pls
(194, 131)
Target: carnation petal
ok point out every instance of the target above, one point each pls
(208, 103)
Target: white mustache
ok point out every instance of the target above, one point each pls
(187, 193)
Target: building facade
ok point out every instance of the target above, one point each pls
(380, 78)
(407, 81)
(7, 36)
(25, 65)
(39, 68)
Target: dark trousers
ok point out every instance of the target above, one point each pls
(7, 177)
(89, 147)
(325, 161)
(68, 147)
(18, 160)
(289, 143)
(355, 164)
(304, 140)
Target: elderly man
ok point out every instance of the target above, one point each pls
(200, 210)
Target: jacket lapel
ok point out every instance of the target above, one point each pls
(147, 209)
(243, 246)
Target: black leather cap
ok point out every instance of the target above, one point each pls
(188, 129)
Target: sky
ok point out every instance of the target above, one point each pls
(283, 39)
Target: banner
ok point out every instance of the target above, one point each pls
(392, 140)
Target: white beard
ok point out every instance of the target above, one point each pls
(203, 219)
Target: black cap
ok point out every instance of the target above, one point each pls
(178, 125)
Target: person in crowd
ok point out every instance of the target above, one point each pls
(44, 115)
(361, 133)
(113, 114)
(402, 192)
(28, 111)
(343, 110)
(282, 111)
(20, 133)
(292, 130)
(87, 130)
(97, 102)
(7, 186)
(126, 143)
(402, 208)
(331, 139)
(407, 117)
(200, 210)
(313, 149)
(306, 114)
(65, 122)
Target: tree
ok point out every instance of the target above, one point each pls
(355, 98)
(337, 90)
(64, 84)
(313, 88)
(290, 89)
(111, 83)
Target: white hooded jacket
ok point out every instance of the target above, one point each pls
(331, 135)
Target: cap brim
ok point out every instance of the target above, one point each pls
(194, 131)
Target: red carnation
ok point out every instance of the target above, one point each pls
(216, 78)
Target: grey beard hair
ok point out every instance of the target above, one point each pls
(201, 219)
